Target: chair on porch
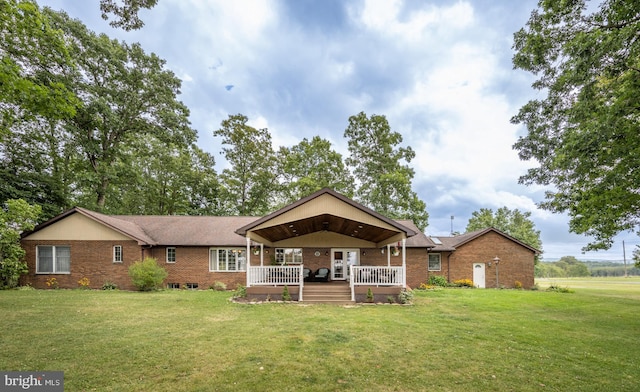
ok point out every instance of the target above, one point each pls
(322, 275)
(307, 274)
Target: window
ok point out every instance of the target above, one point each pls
(117, 253)
(227, 259)
(171, 255)
(53, 260)
(173, 285)
(191, 286)
(289, 255)
(435, 263)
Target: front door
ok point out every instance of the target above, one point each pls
(341, 259)
(478, 275)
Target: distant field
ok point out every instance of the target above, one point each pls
(448, 340)
(629, 287)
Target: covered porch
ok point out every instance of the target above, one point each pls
(325, 237)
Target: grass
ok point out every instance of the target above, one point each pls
(449, 340)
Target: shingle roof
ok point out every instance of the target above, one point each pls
(451, 243)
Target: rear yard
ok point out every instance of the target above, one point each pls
(448, 340)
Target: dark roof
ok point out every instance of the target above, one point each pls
(454, 242)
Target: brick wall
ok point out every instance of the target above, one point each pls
(516, 261)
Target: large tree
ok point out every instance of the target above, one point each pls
(513, 222)
(248, 186)
(125, 13)
(310, 166)
(381, 168)
(126, 95)
(33, 55)
(585, 131)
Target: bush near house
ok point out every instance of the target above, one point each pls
(147, 275)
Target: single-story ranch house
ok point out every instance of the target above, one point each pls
(325, 237)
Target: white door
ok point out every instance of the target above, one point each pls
(341, 259)
(478, 275)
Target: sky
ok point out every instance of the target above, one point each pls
(440, 71)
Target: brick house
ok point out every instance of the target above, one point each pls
(325, 236)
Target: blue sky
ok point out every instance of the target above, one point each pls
(440, 71)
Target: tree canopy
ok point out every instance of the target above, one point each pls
(584, 134)
(381, 168)
(125, 13)
(513, 222)
(16, 216)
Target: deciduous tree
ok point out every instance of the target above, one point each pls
(513, 222)
(584, 132)
(310, 166)
(381, 168)
(248, 186)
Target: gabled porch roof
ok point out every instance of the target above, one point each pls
(326, 211)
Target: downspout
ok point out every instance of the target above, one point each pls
(448, 267)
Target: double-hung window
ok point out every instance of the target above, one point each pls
(435, 262)
(53, 259)
(227, 259)
(171, 255)
(117, 253)
(289, 255)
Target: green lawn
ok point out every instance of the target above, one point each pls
(449, 340)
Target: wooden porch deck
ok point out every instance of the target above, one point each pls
(335, 292)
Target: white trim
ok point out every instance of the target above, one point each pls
(54, 255)
(115, 254)
(439, 259)
(238, 259)
(175, 254)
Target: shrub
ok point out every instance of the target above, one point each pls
(241, 292)
(147, 275)
(218, 286)
(109, 286)
(370, 295)
(437, 280)
(517, 285)
(463, 283)
(559, 289)
(405, 296)
(390, 299)
(285, 294)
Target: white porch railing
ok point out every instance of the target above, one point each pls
(375, 276)
(276, 275)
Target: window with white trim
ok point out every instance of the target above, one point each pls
(171, 255)
(117, 253)
(435, 262)
(227, 259)
(289, 255)
(53, 259)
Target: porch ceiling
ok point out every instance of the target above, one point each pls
(326, 222)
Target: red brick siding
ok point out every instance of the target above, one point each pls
(516, 261)
(93, 260)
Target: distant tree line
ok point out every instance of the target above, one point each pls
(90, 121)
(569, 267)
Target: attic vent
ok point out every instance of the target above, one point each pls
(436, 240)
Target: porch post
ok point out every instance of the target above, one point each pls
(248, 259)
(404, 263)
(388, 255)
(261, 254)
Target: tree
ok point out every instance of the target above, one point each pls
(310, 166)
(584, 133)
(384, 182)
(16, 216)
(126, 95)
(33, 55)
(513, 222)
(636, 256)
(127, 13)
(247, 187)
